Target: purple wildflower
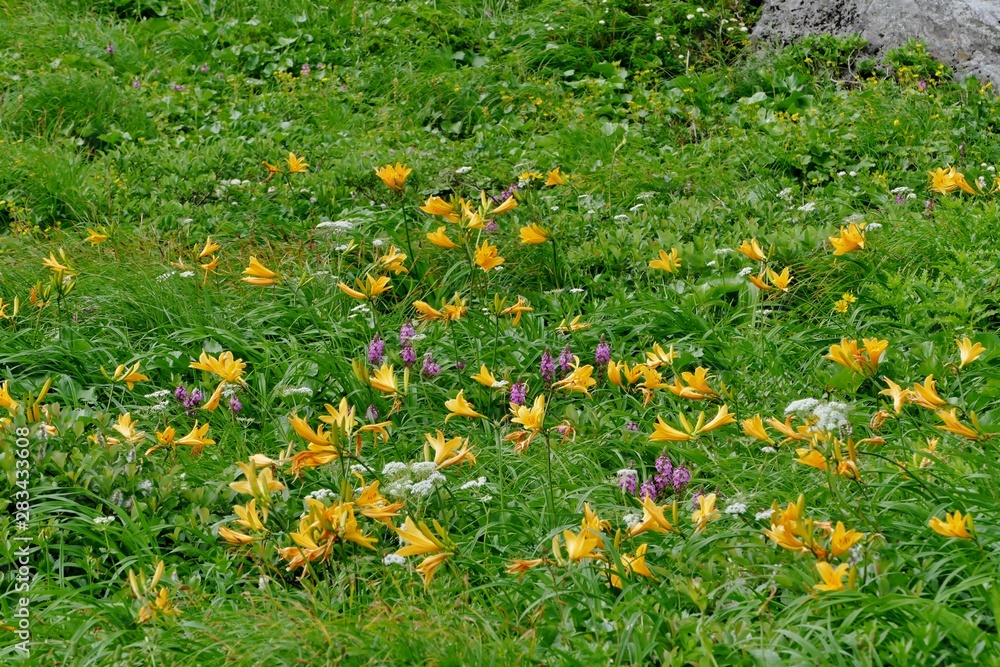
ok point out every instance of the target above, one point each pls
(548, 366)
(628, 480)
(305, 69)
(194, 399)
(632, 426)
(460, 365)
(136, 83)
(176, 86)
(491, 226)
(320, 66)
(409, 354)
(566, 359)
(371, 414)
(181, 394)
(110, 49)
(406, 333)
(602, 355)
(922, 85)
(681, 478)
(429, 369)
(518, 393)
(648, 488)
(234, 404)
(204, 67)
(376, 350)
(900, 199)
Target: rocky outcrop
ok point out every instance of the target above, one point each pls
(964, 34)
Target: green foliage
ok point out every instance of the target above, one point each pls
(150, 121)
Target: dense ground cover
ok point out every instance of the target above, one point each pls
(686, 227)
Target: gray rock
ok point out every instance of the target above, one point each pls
(964, 34)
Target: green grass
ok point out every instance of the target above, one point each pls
(673, 133)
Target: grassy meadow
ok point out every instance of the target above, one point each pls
(457, 333)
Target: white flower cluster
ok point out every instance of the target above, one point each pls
(286, 391)
(322, 495)
(474, 483)
(404, 480)
(735, 509)
(165, 276)
(393, 559)
(807, 207)
(763, 514)
(157, 395)
(337, 226)
(826, 416)
(103, 520)
(785, 194)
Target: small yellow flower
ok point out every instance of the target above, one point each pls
(439, 207)
(669, 262)
(531, 419)
(842, 540)
(210, 248)
(833, 579)
(652, 519)
(953, 425)
(533, 235)
(440, 239)
(488, 257)
(368, 289)
(849, 240)
(754, 427)
(197, 439)
(968, 351)
(954, 525)
(450, 452)
(780, 280)
(459, 407)
(394, 177)
(96, 237)
(752, 250)
(484, 377)
(296, 165)
(259, 275)
(811, 457)
(517, 310)
(706, 512)
(555, 178)
(384, 380)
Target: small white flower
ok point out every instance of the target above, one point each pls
(104, 520)
(873, 226)
(621, 217)
(423, 468)
(764, 514)
(636, 207)
(785, 194)
(712, 263)
(499, 384)
(631, 519)
(378, 243)
(736, 509)
(463, 170)
(343, 248)
(394, 469)
(745, 272)
(577, 290)
(554, 208)
(900, 190)
(473, 483)
(723, 251)
(162, 393)
(690, 16)
(187, 274)
(321, 494)
(852, 174)
(393, 559)
(807, 207)
(768, 450)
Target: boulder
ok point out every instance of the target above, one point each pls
(964, 34)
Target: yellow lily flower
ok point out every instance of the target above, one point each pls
(296, 165)
(811, 457)
(126, 426)
(658, 357)
(225, 367)
(394, 177)
(419, 539)
(235, 537)
(53, 265)
(488, 257)
(781, 280)
(369, 289)
(531, 418)
(652, 519)
(572, 327)
(259, 275)
(925, 395)
(662, 432)
(706, 512)
(581, 545)
(555, 177)
(209, 248)
(484, 377)
(760, 281)
(213, 402)
(130, 377)
(721, 418)
(833, 579)
(450, 452)
(669, 262)
(440, 239)
(95, 237)
(754, 427)
(899, 395)
(968, 351)
(196, 439)
(579, 380)
(954, 525)
(249, 517)
(850, 239)
(517, 310)
(384, 379)
(953, 425)
(260, 486)
(429, 566)
(842, 540)
(459, 407)
(533, 235)
(752, 250)
(439, 207)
